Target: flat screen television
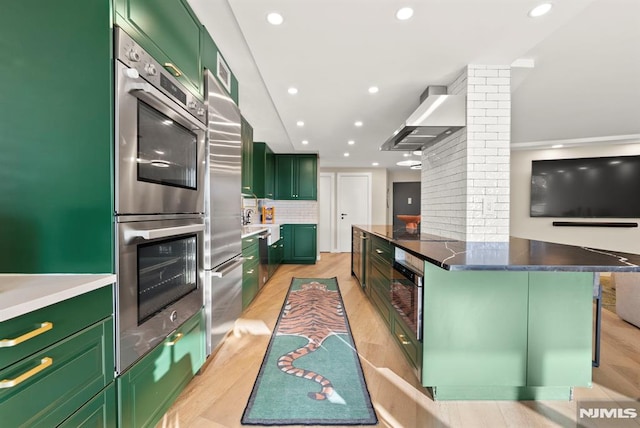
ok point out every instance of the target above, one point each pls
(604, 187)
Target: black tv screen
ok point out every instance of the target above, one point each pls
(586, 187)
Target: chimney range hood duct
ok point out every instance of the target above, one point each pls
(437, 117)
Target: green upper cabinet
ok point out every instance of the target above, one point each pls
(263, 165)
(246, 132)
(296, 177)
(170, 32)
(56, 117)
(210, 62)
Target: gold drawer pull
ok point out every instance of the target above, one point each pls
(403, 339)
(379, 251)
(173, 69)
(10, 383)
(45, 326)
(249, 272)
(176, 339)
(250, 257)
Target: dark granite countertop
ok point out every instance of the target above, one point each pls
(516, 255)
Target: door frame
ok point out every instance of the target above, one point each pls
(331, 199)
(369, 177)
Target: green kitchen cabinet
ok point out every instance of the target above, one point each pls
(65, 363)
(170, 32)
(275, 256)
(250, 277)
(299, 242)
(296, 177)
(150, 386)
(263, 171)
(56, 201)
(246, 137)
(210, 54)
(101, 411)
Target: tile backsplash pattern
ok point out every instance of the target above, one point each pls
(465, 178)
(292, 212)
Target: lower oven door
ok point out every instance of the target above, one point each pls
(160, 282)
(406, 298)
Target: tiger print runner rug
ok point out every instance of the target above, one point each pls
(311, 374)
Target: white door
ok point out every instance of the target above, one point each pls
(354, 205)
(327, 208)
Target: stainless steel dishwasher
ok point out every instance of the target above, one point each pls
(263, 255)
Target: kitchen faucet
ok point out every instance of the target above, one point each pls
(246, 212)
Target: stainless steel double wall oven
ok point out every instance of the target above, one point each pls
(159, 202)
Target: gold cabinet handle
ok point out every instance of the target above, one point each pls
(10, 383)
(45, 326)
(173, 69)
(249, 272)
(403, 339)
(379, 251)
(250, 257)
(176, 339)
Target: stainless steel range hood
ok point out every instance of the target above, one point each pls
(437, 117)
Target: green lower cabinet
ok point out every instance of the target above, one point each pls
(275, 256)
(250, 283)
(299, 242)
(408, 342)
(58, 380)
(497, 335)
(149, 388)
(101, 411)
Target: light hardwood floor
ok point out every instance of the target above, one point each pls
(217, 397)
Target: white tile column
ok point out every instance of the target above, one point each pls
(465, 177)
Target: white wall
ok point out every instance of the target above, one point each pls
(523, 226)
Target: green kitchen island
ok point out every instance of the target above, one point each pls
(501, 321)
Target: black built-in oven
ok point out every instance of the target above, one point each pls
(406, 296)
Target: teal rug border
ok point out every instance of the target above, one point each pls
(373, 418)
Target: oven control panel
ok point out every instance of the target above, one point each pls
(159, 75)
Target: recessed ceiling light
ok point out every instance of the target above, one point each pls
(358, 123)
(404, 13)
(375, 164)
(408, 163)
(406, 155)
(292, 90)
(417, 152)
(373, 89)
(556, 146)
(274, 18)
(541, 9)
(351, 142)
(346, 154)
(300, 123)
(305, 142)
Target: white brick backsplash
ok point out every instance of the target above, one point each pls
(294, 211)
(471, 168)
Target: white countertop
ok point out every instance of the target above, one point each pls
(24, 293)
(255, 228)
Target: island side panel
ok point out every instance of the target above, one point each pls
(475, 328)
(560, 328)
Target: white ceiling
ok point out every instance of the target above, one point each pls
(585, 86)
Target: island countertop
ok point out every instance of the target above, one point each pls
(516, 255)
(24, 293)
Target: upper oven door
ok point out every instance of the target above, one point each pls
(160, 152)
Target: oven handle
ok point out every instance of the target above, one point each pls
(147, 92)
(150, 234)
